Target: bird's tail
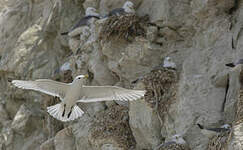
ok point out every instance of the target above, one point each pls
(57, 112)
(76, 113)
(200, 126)
(230, 65)
(64, 33)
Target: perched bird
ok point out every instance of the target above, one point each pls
(176, 142)
(128, 7)
(89, 14)
(233, 64)
(75, 92)
(210, 132)
(168, 63)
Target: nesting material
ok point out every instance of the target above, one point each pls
(175, 146)
(113, 124)
(219, 142)
(161, 87)
(239, 110)
(123, 27)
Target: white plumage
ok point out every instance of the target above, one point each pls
(75, 92)
(175, 142)
(210, 132)
(128, 7)
(168, 63)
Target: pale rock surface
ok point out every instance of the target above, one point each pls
(145, 125)
(200, 36)
(48, 145)
(64, 140)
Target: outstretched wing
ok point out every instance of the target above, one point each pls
(46, 86)
(108, 93)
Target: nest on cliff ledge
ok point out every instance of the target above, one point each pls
(124, 27)
(113, 124)
(161, 86)
(219, 142)
(239, 110)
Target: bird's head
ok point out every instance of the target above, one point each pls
(226, 126)
(91, 11)
(81, 79)
(178, 139)
(168, 59)
(129, 7)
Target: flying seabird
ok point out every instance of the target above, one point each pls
(75, 92)
(210, 132)
(89, 14)
(176, 142)
(128, 7)
(233, 64)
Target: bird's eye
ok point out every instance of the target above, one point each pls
(79, 78)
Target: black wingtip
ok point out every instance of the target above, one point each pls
(135, 81)
(64, 33)
(230, 65)
(64, 110)
(200, 126)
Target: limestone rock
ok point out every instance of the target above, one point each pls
(81, 131)
(25, 122)
(91, 3)
(169, 34)
(48, 145)
(145, 125)
(64, 140)
(74, 44)
(152, 33)
(3, 114)
(199, 35)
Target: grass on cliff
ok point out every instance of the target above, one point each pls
(123, 27)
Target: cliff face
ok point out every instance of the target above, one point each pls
(200, 37)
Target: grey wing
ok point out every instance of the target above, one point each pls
(81, 22)
(108, 93)
(240, 61)
(46, 86)
(218, 129)
(117, 12)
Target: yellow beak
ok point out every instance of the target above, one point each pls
(86, 76)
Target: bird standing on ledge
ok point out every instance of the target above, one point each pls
(233, 64)
(128, 7)
(210, 132)
(89, 14)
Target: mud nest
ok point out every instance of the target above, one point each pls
(113, 123)
(219, 142)
(161, 87)
(124, 27)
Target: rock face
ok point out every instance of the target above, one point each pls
(200, 37)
